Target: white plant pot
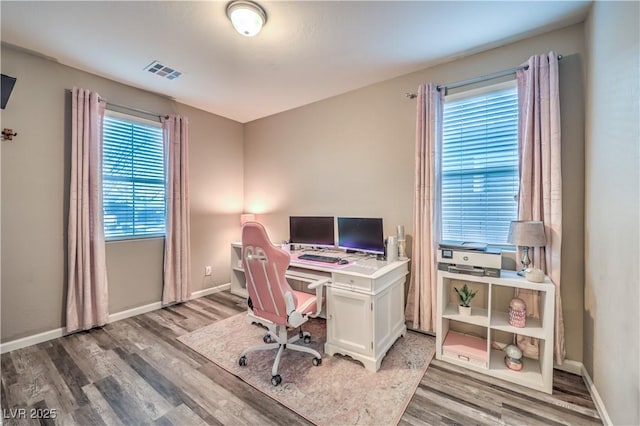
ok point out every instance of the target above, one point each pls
(464, 310)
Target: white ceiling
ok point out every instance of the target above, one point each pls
(307, 51)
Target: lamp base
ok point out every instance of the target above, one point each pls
(526, 261)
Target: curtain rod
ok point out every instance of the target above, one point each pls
(475, 80)
(142, 111)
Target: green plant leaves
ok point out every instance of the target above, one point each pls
(465, 295)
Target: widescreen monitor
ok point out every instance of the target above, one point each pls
(317, 231)
(361, 234)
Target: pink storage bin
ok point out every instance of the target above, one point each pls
(466, 348)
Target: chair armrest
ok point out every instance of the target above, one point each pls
(294, 318)
(317, 286)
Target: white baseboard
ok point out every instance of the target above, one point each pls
(32, 340)
(570, 366)
(210, 290)
(602, 411)
(134, 311)
(576, 367)
(59, 332)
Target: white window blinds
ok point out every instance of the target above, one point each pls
(480, 165)
(133, 178)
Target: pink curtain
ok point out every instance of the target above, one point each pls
(177, 254)
(87, 292)
(541, 180)
(421, 300)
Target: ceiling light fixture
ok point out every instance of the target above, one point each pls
(247, 17)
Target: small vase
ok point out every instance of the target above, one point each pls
(464, 310)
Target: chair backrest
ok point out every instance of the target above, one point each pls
(265, 266)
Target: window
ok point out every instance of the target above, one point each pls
(133, 177)
(480, 164)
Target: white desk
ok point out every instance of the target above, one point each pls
(364, 303)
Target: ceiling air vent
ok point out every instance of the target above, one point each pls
(157, 68)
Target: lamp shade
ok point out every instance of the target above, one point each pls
(247, 217)
(528, 233)
(247, 17)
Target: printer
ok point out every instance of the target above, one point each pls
(469, 258)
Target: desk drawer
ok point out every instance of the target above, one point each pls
(350, 281)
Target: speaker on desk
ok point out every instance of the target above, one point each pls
(392, 248)
(402, 255)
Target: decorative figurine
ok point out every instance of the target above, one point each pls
(517, 312)
(534, 275)
(513, 357)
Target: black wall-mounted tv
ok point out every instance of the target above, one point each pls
(312, 231)
(6, 87)
(361, 234)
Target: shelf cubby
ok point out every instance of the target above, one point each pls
(238, 284)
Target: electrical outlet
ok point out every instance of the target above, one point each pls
(207, 270)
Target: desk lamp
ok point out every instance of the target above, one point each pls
(247, 217)
(525, 234)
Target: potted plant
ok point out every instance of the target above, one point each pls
(465, 295)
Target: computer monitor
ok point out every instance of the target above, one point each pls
(361, 234)
(317, 231)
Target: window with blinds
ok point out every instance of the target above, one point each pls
(133, 178)
(480, 164)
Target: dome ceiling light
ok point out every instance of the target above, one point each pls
(247, 17)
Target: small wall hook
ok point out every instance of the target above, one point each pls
(8, 134)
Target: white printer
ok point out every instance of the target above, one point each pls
(469, 258)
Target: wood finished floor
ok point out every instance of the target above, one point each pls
(134, 372)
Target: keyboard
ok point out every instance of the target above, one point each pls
(319, 258)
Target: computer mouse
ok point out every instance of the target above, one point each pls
(343, 262)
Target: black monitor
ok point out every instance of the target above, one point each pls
(361, 234)
(312, 231)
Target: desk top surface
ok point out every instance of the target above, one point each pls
(359, 264)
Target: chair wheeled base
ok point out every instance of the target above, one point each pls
(279, 338)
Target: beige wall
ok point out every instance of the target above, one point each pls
(353, 154)
(612, 215)
(35, 174)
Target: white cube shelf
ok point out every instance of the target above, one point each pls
(489, 320)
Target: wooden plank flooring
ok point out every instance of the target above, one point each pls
(135, 372)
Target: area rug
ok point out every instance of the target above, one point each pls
(340, 391)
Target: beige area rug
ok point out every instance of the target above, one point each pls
(338, 392)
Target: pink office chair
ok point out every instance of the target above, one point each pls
(272, 299)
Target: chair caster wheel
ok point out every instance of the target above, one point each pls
(242, 361)
(266, 338)
(307, 339)
(276, 380)
(316, 361)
